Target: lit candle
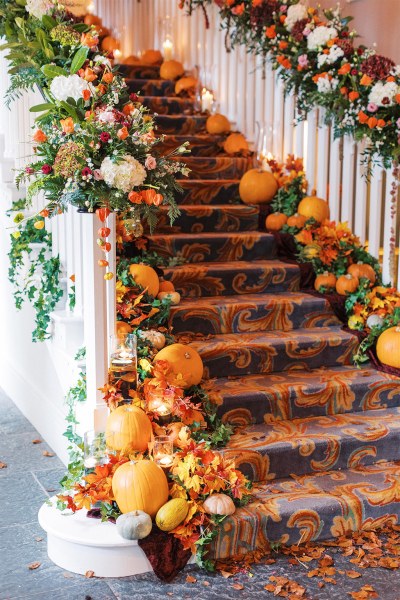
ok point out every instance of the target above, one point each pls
(90, 8)
(164, 460)
(264, 162)
(117, 55)
(163, 451)
(168, 49)
(90, 462)
(207, 99)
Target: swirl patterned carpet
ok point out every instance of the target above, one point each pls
(319, 437)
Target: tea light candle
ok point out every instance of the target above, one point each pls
(264, 162)
(163, 451)
(163, 460)
(207, 99)
(117, 55)
(90, 462)
(168, 49)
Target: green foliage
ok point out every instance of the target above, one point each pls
(218, 433)
(288, 197)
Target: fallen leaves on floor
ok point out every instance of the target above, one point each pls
(191, 579)
(89, 574)
(237, 586)
(47, 453)
(34, 565)
(3, 465)
(285, 588)
(367, 592)
(36, 441)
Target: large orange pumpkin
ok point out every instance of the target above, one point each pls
(388, 347)
(362, 270)
(122, 328)
(140, 485)
(171, 69)
(185, 362)
(146, 277)
(185, 84)
(109, 44)
(235, 143)
(217, 124)
(151, 57)
(311, 206)
(346, 284)
(325, 280)
(297, 221)
(257, 187)
(275, 221)
(128, 427)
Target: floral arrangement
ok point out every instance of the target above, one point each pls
(316, 55)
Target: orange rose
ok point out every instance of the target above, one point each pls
(151, 197)
(390, 78)
(39, 136)
(344, 90)
(362, 117)
(283, 45)
(86, 95)
(365, 80)
(89, 75)
(108, 77)
(89, 40)
(67, 125)
(344, 69)
(101, 89)
(282, 19)
(353, 96)
(381, 123)
(128, 108)
(122, 133)
(135, 198)
(372, 122)
(270, 32)
(257, 2)
(238, 10)
(397, 98)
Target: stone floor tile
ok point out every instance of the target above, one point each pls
(20, 454)
(49, 479)
(20, 499)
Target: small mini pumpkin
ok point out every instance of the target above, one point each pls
(166, 286)
(185, 84)
(311, 251)
(122, 328)
(235, 143)
(347, 284)
(151, 57)
(275, 221)
(174, 297)
(362, 270)
(185, 363)
(311, 206)
(388, 347)
(325, 280)
(219, 504)
(374, 321)
(171, 69)
(131, 60)
(297, 221)
(355, 322)
(109, 44)
(156, 338)
(172, 514)
(146, 277)
(134, 525)
(140, 485)
(257, 187)
(217, 124)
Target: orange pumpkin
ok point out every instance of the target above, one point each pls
(257, 187)
(217, 124)
(185, 362)
(326, 280)
(195, 416)
(140, 485)
(171, 69)
(151, 57)
(346, 284)
(92, 20)
(131, 60)
(128, 427)
(109, 43)
(122, 328)
(184, 84)
(166, 286)
(146, 277)
(275, 221)
(362, 270)
(388, 347)
(311, 206)
(235, 143)
(297, 221)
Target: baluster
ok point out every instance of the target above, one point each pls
(288, 121)
(360, 210)
(323, 156)
(390, 222)
(334, 178)
(349, 148)
(310, 157)
(375, 211)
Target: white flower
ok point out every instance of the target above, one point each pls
(382, 94)
(71, 86)
(39, 8)
(320, 36)
(326, 85)
(295, 13)
(334, 54)
(102, 60)
(125, 175)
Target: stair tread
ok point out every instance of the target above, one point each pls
(287, 297)
(243, 208)
(236, 266)
(209, 235)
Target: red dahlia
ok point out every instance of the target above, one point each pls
(298, 28)
(377, 67)
(262, 15)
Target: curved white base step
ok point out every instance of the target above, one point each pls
(79, 544)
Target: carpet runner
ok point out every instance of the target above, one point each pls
(319, 437)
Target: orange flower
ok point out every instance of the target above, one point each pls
(88, 114)
(257, 2)
(397, 98)
(365, 80)
(390, 78)
(238, 10)
(39, 136)
(282, 19)
(101, 89)
(353, 96)
(151, 197)
(108, 77)
(135, 198)
(89, 40)
(381, 123)
(44, 213)
(270, 32)
(362, 117)
(89, 75)
(285, 62)
(372, 122)
(67, 125)
(128, 108)
(86, 95)
(344, 90)
(122, 133)
(344, 69)
(283, 45)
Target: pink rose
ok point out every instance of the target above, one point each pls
(372, 107)
(97, 175)
(303, 60)
(150, 163)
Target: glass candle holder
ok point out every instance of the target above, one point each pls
(123, 361)
(263, 154)
(163, 451)
(94, 449)
(159, 404)
(207, 100)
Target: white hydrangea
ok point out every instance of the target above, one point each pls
(334, 54)
(384, 91)
(127, 174)
(320, 36)
(70, 86)
(295, 13)
(102, 60)
(39, 8)
(326, 85)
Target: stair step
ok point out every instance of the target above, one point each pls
(140, 71)
(197, 218)
(227, 279)
(218, 247)
(251, 312)
(164, 105)
(315, 444)
(275, 351)
(220, 167)
(211, 191)
(200, 145)
(298, 394)
(180, 123)
(151, 87)
(312, 507)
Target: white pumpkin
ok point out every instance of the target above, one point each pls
(175, 297)
(156, 338)
(134, 525)
(374, 320)
(219, 504)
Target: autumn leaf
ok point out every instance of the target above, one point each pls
(353, 574)
(34, 565)
(191, 579)
(47, 453)
(367, 592)
(237, 586)
(37, 441)
(89, 574)
(3, 465)
(226, 574)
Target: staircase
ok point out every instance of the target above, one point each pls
(318, 437)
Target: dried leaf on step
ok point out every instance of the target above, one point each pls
(89, 574)
(68, 575)
(237, 586)
(353, 574)
(39, 539)
(36, 441)
(226, 574)
(190, 579)
(34, 565)
(3, 465)
(47, 453)
(206, 583)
